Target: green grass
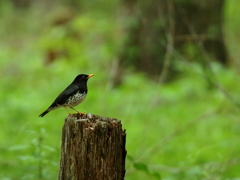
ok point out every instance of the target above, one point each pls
(180, 130)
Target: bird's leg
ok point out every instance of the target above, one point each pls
(67, 111)
(77, 110)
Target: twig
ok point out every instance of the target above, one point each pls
(170, 42)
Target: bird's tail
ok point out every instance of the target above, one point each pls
(44, 113)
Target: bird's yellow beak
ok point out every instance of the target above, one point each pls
(90, 75)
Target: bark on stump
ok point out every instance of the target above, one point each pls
(93, 148)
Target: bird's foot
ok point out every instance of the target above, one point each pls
(70, 114)
(81, 113)
(78, 111)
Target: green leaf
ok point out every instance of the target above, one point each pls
(141, 166)
(130, 158)
(157, 175)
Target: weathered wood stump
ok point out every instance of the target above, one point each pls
(93, 148)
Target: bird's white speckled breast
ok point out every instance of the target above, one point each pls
(75, 100)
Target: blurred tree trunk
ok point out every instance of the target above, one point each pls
(201, 21)
(145, 45)
(21, 3)
(26, 3)
(158, 28)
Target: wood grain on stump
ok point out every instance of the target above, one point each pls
(93, 148)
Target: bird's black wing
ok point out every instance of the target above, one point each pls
(63, 97)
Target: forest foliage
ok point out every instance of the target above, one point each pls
(183, 129)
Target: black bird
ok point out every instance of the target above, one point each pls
(73, 95)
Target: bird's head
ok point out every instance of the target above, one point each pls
(82, 78)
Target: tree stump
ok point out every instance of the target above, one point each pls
(93, 148)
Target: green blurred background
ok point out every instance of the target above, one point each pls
(186, 127)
